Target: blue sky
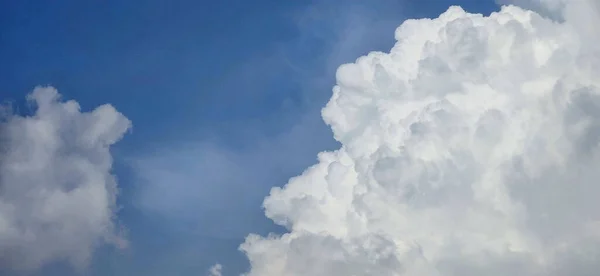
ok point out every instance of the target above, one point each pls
(224, 97)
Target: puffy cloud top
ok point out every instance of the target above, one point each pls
(471, 148)
(57, 196)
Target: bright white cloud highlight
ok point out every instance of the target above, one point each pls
(470, 149)
(57, 195)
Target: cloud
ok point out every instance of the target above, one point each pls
(471, 148)
(215, 270)
(57, 195)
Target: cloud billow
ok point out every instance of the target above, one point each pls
(471, 148)
(57, 193)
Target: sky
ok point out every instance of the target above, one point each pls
(141, 138)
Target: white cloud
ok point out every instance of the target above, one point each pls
(57, 195)
(215, 270)
(470, 149)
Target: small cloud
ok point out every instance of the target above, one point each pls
(215, 270)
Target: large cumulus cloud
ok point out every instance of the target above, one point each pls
(471, 148)
(57, 195)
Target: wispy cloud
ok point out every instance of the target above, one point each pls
(218, 182)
